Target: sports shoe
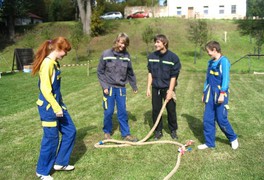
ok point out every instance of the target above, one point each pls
(130, 138)
(43, 177)
(158, 135)
(63, 168)
(234, 144)
(174, 135)
(107, 136)
(202, 146)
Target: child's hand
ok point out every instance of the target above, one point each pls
(148, 92)
(106, 91)
(221, 98)
(59, 114)
(169, 95)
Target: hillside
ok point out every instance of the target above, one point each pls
(175, 29)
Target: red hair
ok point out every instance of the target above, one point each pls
(59, 43)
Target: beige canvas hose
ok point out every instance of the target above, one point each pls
(120, 143)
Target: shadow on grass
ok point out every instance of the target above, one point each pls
(196, 126)
(80, 147)
(148, 120)
(221, 140)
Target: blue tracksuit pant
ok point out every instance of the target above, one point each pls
(118, 96)
(215, 112)
(50, 153)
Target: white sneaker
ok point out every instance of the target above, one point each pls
(43, 177)
(234, 144)
(63, 168)
(202, 146)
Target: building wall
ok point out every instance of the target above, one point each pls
(208, 9)
(27, 21)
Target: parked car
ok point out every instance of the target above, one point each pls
(112, 15)
(139, 14)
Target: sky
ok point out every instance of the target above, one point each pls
(161, 2)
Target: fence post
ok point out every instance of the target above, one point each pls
(249, 64)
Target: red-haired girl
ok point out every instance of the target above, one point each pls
(53, 113)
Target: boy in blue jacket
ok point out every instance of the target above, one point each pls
(215, 97)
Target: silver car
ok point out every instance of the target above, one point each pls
(112, 15)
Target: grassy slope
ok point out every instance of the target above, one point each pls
(176, 30)
(20, 131)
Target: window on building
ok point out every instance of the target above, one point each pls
(233, 9)
(221, 9)
(205, 10)
(179, 11)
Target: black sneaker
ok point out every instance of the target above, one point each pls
(174, 135)
(158, 135)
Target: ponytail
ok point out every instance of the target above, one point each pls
(59, 43)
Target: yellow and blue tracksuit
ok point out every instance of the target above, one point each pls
(163, 67)
(114, 72)
(49, 103)
(217, 81)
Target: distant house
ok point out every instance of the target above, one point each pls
(208, 9)
(203, 9)
(29, 19)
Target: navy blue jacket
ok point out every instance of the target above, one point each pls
(163, 67)
(115, 70)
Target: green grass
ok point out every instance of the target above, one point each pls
(21, 133)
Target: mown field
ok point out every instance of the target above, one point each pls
(20, 130)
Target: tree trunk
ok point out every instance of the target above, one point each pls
(11, 27)
(85, 14)
(195, 55)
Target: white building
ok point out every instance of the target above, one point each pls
(207, 9)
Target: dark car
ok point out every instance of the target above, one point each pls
(139, 14)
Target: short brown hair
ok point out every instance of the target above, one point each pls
(163, 39)
(213, 44)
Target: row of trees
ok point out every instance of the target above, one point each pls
(65, 10)
(88, 11)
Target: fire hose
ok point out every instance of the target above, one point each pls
(119, 143)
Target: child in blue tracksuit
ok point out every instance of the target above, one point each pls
(53, 113)
(114, 72)
(216, 97)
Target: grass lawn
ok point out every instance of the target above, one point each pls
(21, 132)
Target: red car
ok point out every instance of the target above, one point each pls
(139, 14)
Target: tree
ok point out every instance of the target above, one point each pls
(198, 33)
(38, 7)
(142, 2)
(147, 36)
(85, 14)
(253, 28)
(12, 9)
(76, 38)
(255, 8)
(61, 10)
